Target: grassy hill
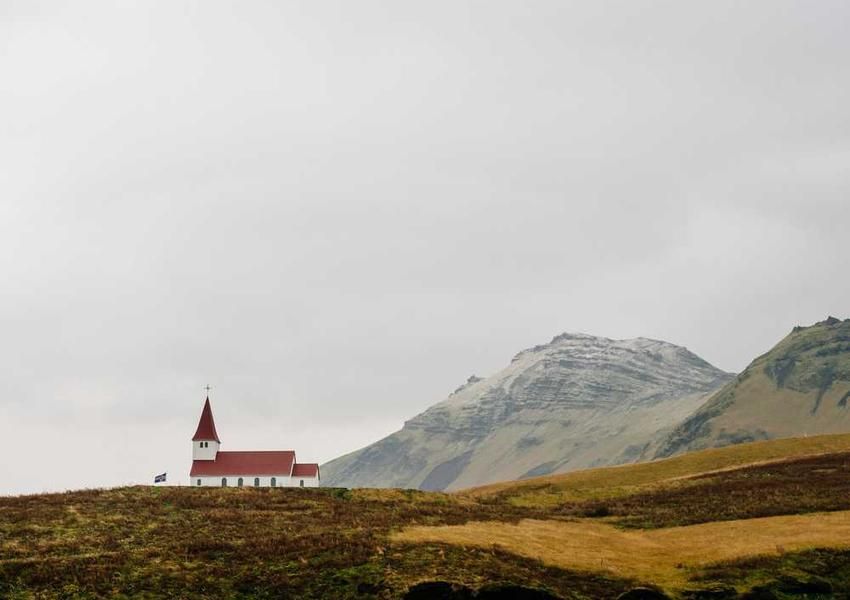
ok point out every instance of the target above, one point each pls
(764, 519)
(611, 482)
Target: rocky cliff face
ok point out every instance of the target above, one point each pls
(801, 387)
(579, 401)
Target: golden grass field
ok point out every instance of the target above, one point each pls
(662, 556)
(669, 557)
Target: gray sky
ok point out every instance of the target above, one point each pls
(334, 213)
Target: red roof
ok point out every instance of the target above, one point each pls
(262, 462)
(206, 426)
(305, 470)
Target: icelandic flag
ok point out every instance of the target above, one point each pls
(160, 478)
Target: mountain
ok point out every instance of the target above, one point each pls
(576, 402)
(801, 387)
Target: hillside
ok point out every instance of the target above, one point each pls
(576, 402)
(763, 520)
(800, 387)
(605, 483)
(756, 520)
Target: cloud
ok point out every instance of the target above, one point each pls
(336, 214)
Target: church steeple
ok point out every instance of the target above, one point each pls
(205, 442)
(206, 426)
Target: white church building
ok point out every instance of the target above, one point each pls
(240, 468)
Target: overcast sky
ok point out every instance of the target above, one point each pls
(334, 213)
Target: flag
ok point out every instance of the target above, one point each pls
(160, 478)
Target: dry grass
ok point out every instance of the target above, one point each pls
(803, 485)
(612, 482)
(336, 543)
(247, 543)
(666, 557)
(218, 543)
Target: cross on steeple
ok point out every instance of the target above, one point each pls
(208, 388)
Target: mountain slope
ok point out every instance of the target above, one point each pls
(800, 387)
(577, 402)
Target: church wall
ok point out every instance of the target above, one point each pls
(308, 481)
(248, 481)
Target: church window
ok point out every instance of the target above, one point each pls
(274, 481)
(224, 482)
(199, 482)
(256, 482)
(302, 483)
(239, 482)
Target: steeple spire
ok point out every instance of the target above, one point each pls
(206, 426)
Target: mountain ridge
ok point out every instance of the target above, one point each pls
(577, 401)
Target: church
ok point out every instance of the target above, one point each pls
(241, 468)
